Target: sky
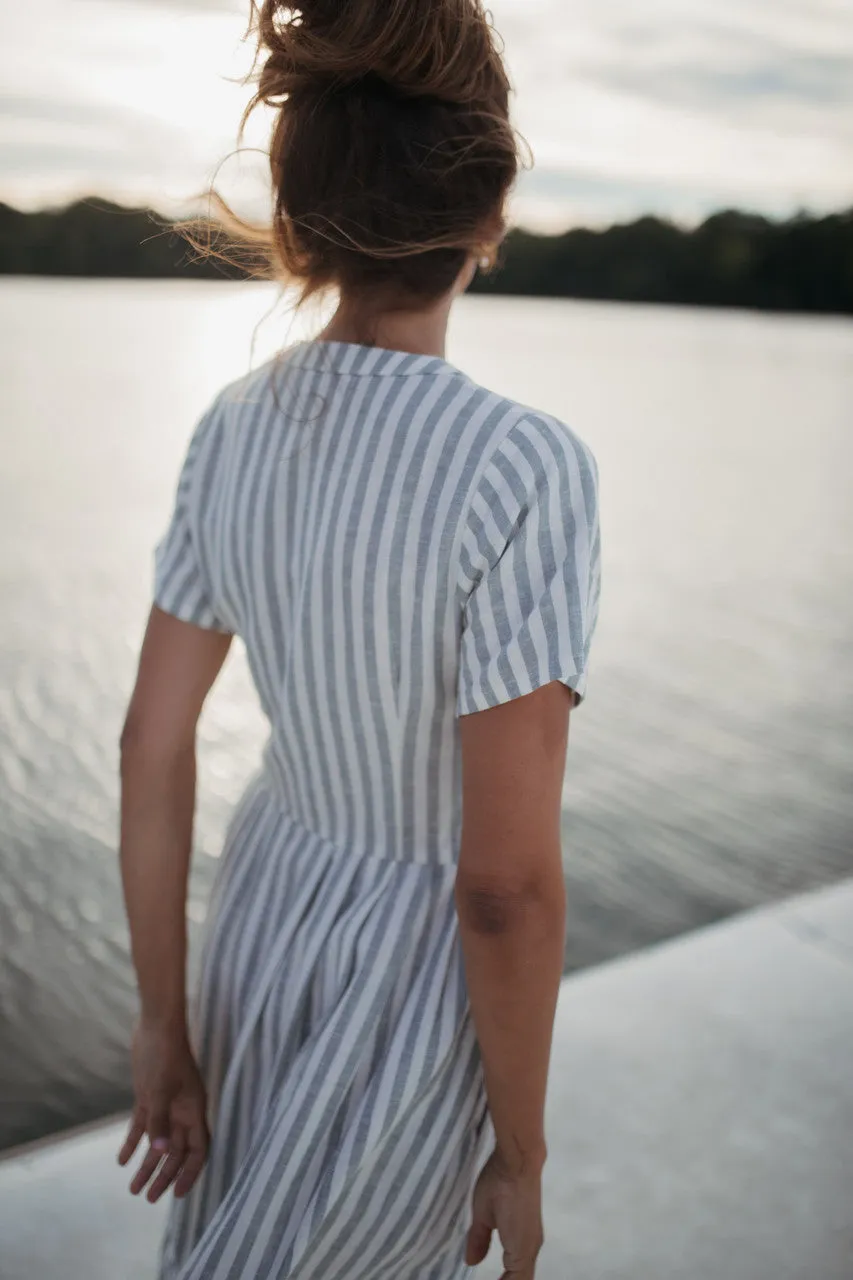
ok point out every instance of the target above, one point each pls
(673, 107)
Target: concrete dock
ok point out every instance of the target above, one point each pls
(700, 1121)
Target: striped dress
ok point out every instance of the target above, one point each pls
(397, 547)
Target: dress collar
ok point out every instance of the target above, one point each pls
(353, 358)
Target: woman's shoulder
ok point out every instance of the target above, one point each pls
(522, 430)
(552, 437)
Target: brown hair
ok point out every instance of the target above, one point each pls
(391, 153)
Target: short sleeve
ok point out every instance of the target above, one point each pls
(180, 583)
(530, 568)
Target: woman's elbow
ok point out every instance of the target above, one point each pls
(143, 739)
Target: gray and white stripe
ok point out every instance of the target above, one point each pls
(397, 547)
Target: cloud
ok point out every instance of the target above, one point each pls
(818, 80)
(136, 101)
(692, 103)
(675, 106)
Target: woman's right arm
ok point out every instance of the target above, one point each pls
(178, 665)
(511, 903)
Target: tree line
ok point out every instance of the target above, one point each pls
(732, 259)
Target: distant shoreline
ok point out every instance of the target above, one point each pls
(733, 259)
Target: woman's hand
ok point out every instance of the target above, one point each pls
(511, 1204)
(170, 1110)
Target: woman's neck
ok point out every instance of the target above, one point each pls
(421, 332)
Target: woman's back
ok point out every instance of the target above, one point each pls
(396, 546)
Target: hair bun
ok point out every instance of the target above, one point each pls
(441, 49)
(391, 150)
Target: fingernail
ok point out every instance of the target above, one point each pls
(160, 1144)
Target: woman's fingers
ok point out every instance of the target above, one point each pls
(162, 1142)
(180, 1164)
(135, 1134)
(145, 1170)
(159, 1124)
(197, 1143)
(171, 1166)
(185, 1181)
(167, 1173)
(478, 1242)
(178, 1139)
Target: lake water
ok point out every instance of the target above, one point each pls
(710, 767)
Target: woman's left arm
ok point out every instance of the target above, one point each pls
(178, 665)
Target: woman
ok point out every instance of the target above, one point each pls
(413, 564)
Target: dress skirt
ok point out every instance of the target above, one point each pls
(346, 1096)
